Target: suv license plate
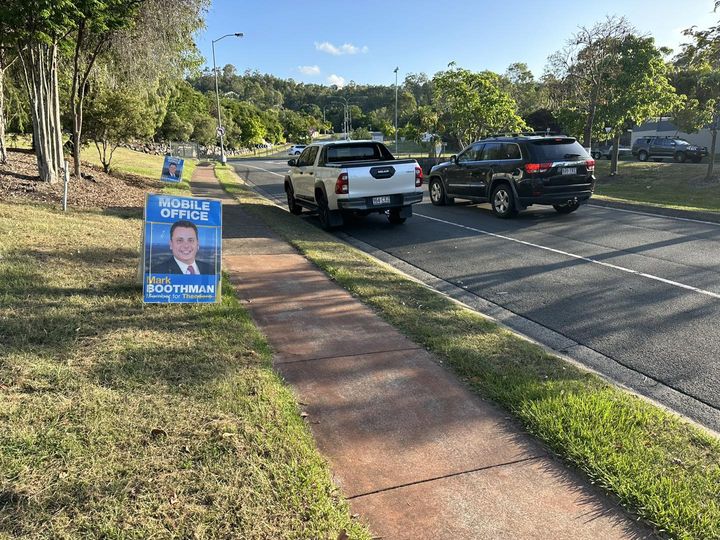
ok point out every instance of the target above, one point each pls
(377, 201)
(568, 170)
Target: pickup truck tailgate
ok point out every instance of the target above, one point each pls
(384, 178)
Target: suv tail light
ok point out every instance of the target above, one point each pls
(341, 184)
(418, 176)
(590, 164)
(531, 168)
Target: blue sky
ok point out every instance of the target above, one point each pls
(324, 41)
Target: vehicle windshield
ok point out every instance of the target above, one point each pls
(357, 152)
(549, 150)
(681, 142)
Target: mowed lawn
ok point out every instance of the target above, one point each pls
(124, 420)
(129, 161)
(677, 185)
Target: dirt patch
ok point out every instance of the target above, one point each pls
(19, 182)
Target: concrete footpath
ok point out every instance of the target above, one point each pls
(415, 453)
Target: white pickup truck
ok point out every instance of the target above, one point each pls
(361, 177)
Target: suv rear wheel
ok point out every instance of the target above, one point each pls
(503, 201)
(437, 193)
(642, 155)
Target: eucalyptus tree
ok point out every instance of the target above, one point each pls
(700, 61)
(96, 25)
(37, 29)
(583, 69)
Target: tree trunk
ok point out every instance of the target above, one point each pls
(713, 148)
(40, 71)
(590, 120)
(3, 149)
(615, 155)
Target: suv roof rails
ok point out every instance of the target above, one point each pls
(547, 133)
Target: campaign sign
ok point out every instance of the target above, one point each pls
(182, 250)
(172, 169)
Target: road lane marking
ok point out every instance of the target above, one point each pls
(716, 224)
(578, 257)
(260, 168)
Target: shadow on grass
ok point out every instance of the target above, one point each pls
(125, 212)
(105, 326)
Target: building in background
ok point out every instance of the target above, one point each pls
(663, 127)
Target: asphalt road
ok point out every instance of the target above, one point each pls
(641, 290)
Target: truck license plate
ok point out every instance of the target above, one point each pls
(377, 201)
(568, 170)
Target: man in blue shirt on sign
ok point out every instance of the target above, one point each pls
(184, 246)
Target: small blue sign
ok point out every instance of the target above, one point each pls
(172, 169)
(182, 252)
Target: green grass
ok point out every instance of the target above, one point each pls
(124, 420)
(129, 161)
(665, 470)
(674, 185)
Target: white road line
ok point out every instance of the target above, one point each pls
(655, 215)
(578, 257)
(261, 169)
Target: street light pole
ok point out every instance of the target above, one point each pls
(220, 130)
(396, 110)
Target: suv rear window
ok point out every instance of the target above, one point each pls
(357, 152)
(549, 150)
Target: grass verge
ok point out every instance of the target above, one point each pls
(671, 185)
(660, 467)
(124, 420)
(148, 165)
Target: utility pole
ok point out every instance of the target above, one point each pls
(396, 111)
(220, 130)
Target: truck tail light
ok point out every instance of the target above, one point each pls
(590, 164)
(341, 184)
(418, 176)
(531, 168)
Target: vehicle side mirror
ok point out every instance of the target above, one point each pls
(453, 158)
(292, 162)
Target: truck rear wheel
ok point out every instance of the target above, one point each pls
(394, 216)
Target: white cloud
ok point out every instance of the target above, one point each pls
(346, 48)
(337, 80)
(309, 70)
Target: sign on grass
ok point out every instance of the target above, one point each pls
(182, 250)
(172, 169)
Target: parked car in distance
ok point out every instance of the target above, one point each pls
(659, 148)
(296, 149)
(352, 177)
(606, 152)
(515, 172)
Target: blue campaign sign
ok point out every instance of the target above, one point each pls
(182, 252)
(172, 169)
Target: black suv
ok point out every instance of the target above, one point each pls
(667, 147)
(514, 172)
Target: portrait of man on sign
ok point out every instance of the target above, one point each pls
(182, 249)
(184, 245)
(172, 169)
